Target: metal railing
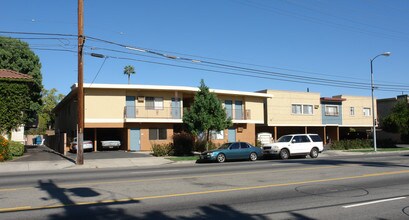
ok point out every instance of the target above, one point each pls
(148, 112)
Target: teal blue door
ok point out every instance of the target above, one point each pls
(135, 136)
(232, 135)
(130, 107)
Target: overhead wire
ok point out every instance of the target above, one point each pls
(260, 73)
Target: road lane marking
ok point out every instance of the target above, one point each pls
(137, 199)
(176, 178)
(373, 202)
(21, 208)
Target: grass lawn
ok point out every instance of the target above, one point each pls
(379, 149)
(183, 158)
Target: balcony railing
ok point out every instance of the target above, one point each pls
(131, 112)
(240, 114)
(158, 113)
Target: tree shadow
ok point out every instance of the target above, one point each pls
(74, 210)
(336, 162)
(212, 211)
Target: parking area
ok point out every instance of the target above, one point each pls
(43, 153)
(110, 154)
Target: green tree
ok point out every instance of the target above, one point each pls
(205, 114)
(129, 70)
(50, 99)
(14, 103)
(398, 119)
(16, 55)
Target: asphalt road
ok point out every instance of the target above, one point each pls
(359, 187)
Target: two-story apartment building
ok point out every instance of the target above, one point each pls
(345, 114)
(306, 112)
(142, 115)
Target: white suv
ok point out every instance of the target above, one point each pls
(295, 144)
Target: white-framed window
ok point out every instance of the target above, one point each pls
(307, 109)
(351, 111)
(154, 103)
(367, 111)
(217, 135)
(331, 110)
(299, 109)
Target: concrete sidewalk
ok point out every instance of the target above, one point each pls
(6, 167)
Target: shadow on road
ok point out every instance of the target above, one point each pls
(346, 161)
(104, 210)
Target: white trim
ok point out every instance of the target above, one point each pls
(153, 120)
(297, 125)
(317, 125)
(248, 121)
(170, 88)
(103, 120)
(369, 125)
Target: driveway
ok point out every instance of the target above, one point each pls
(109, 154)
(43, 153)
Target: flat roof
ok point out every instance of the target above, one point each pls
(169, 88)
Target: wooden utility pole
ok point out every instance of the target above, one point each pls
(80, 92)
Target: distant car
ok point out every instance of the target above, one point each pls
(233, 151)
(86, 146)
(295, 144)
(110, 144)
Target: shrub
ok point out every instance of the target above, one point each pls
(16, 148)
(4, 149)
(183, 144)
(160, 150)
(351, 144)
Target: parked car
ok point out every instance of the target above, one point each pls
(295, 144)
(233, 151)
(86, 146)
(110, 144)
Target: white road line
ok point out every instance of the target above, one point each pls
(373, 202)
(157, 171)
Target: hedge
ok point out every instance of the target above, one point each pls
(4, 149)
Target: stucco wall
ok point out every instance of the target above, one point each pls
(359, 103)
(279, 108)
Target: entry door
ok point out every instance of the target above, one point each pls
(135, 137)
(232, 135)
(175, 108)
(130, 106)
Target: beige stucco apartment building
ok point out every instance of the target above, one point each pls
(333, 118)
(142, 115)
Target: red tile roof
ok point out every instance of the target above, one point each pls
(11, 74)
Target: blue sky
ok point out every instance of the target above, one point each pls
(291, 43)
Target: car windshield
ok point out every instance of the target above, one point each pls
(284, 139)
(225, 146)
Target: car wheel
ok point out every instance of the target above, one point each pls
(221, 158)
(314, 153)
(284, 154)
(253, 156)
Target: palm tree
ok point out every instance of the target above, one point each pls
(128, 70)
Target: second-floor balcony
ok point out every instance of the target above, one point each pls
(143, 112)
(239, 114)
(131, 112)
